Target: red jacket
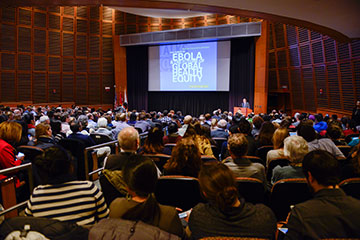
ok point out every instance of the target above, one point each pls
(7, 157)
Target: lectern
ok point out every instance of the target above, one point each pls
(244, 111)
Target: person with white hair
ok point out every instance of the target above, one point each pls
(295, 149)
(221, 131)
(187, 120)
(102, 124)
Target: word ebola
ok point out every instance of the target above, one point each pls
(186, 67)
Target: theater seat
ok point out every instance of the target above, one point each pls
(251, 189)
(261, 152)
(351, 187)
(178, 191)
(287, 192)
(159, 159)
(345, 150)
(100, 138)
(282, 162)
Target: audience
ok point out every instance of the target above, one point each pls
(185, 159)
(173, 136)
(61, 197)
(154, 143)
(193, 138)
(10, 134)
(238, 163)
(278, 142)
(265, 134)
(140, 176)
(295, 148)
(226, 213)
(309, 134)
(330, 214)
(43, 136)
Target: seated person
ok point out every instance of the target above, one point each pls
(278, 142)
(334, 132)
(227, 214)
(330, 214)
(154, 143)
(61, 197)
(173, 136)
(352, 168)
(295, 148)
(185, 159)
(43, 136)
(102, 124)
(238, 164)
(140, 176)
(76, 129)
(221, 131)
(309, 134)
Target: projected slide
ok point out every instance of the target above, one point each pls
(185, 67)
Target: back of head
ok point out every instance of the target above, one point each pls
(185, 154)
(244, 126)
(238, 145)
(102, 122)
(75, 126)
(218, 185)
(222, 123)
(295, 148)
(307, 132)
(278, 138)
(128, 139)
(10, 132)
(187, 119)
(54, 164)
(334, 131)
(140, 175)
(257, 121)
(323, 166)
(172, 128)
(41, 130)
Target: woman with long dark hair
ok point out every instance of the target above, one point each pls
(140, 176)
(226, 214)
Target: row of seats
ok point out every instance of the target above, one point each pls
(184, 192)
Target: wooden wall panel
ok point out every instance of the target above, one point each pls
(323, 74)
(65, 54)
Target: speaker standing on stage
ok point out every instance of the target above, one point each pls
(245, 103)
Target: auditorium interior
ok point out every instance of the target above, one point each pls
(296, 62)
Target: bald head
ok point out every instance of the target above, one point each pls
(129, 139)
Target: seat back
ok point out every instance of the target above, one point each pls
(282, 162)
(100, 138)
(30, 152)
(76, 148)
(206, 159)
(351, 187)
(159, 159)
(178, 191)
(261, 152)
(255, 159)
(345, 150)
(219, 142)
(287, 192)
(251, 189)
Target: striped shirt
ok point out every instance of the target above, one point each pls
(76, 201)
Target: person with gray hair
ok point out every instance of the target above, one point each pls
(102, 124)
(221, 131)
(295, 148)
